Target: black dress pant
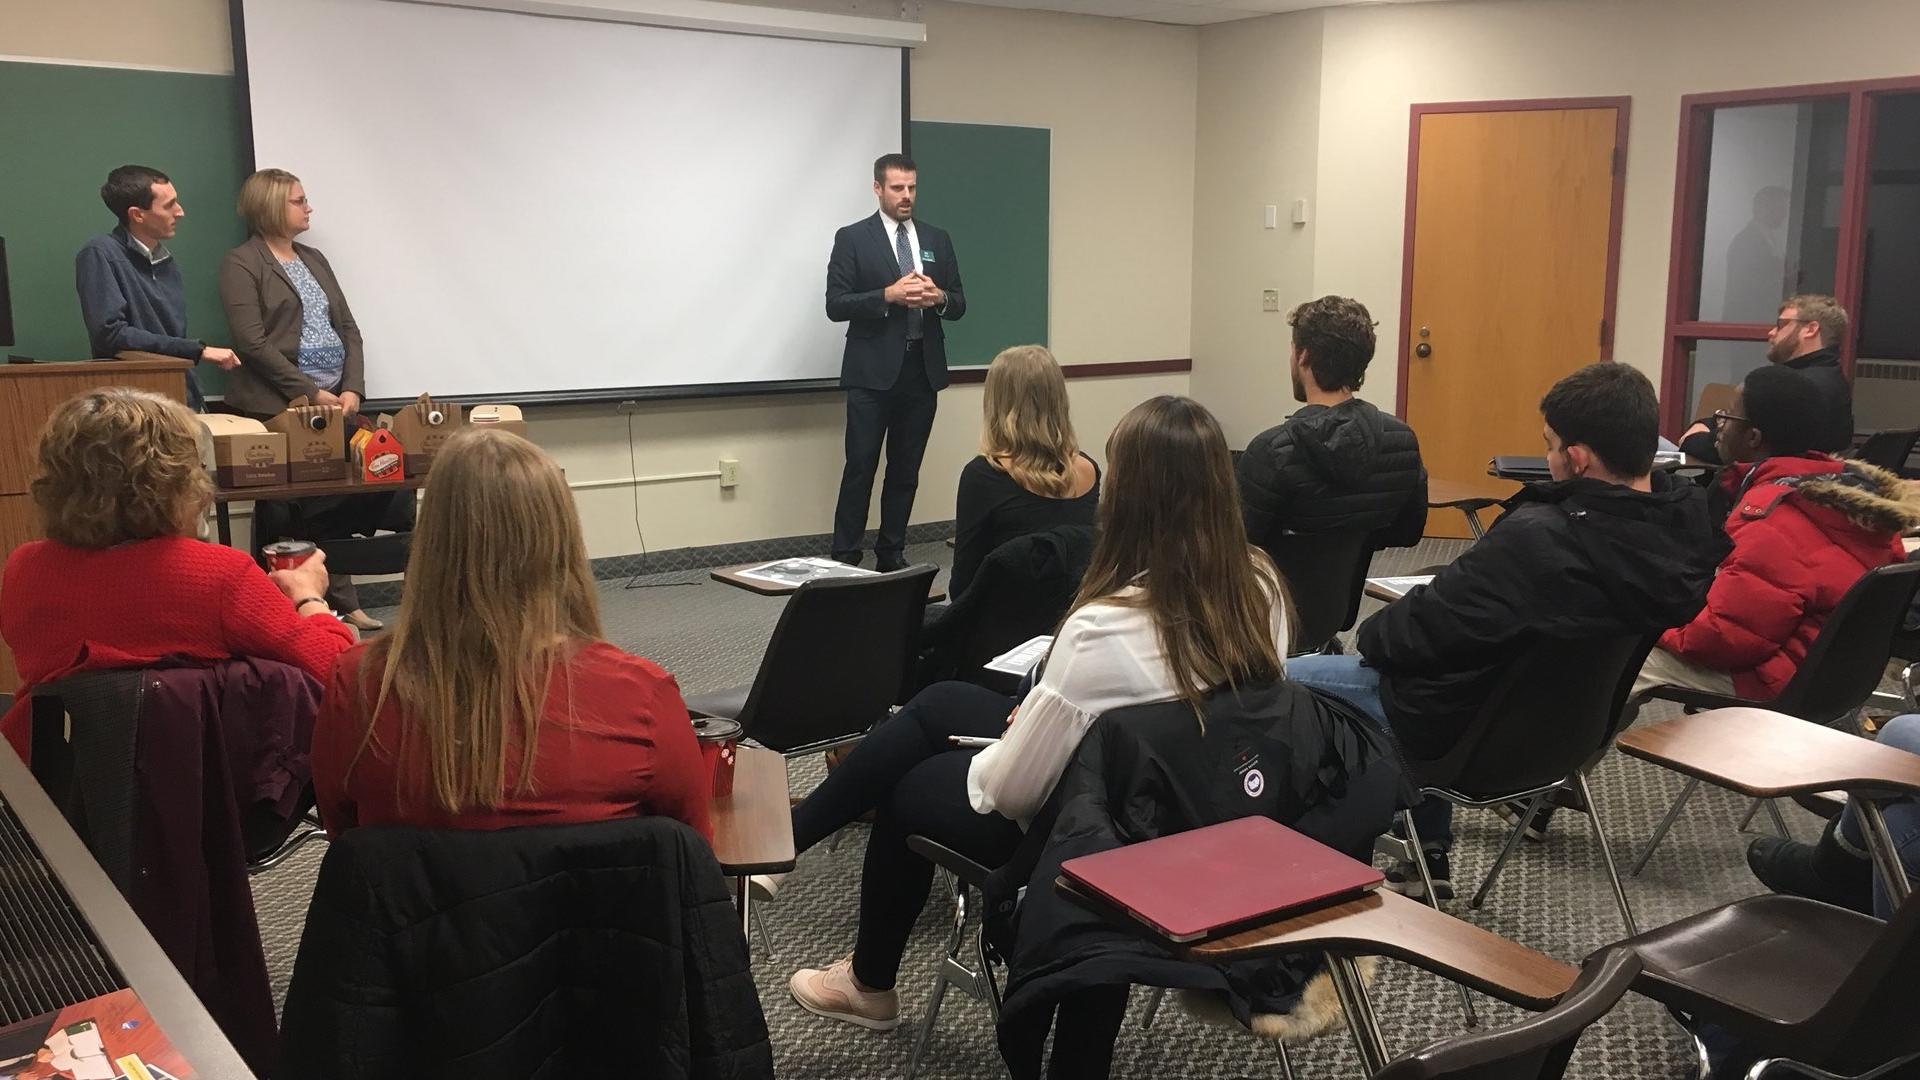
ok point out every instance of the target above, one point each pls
(333, 517)
(914, 781)
(1085, 1026)
(902, 418)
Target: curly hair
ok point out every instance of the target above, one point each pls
(118, 465)
(1337, 335)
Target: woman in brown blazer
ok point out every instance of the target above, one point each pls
(295, 337)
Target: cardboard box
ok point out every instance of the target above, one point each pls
(378, 456)
(243, 453)
(316, 440)
(498, 417)
(423, 428)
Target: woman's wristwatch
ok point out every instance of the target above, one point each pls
(298, 604)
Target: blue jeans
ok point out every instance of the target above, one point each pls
(1348, 678)
(1903, 817)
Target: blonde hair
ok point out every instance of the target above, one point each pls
(1027, 432)
(117, 464)
(263, 201)
(499, 597)
(1824, 312)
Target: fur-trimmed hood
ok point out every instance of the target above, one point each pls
(1873, 499)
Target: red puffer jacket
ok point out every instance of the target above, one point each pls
(1803, 529)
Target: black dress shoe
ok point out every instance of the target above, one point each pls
(889, 563)
(1824, 871)
(851, 558)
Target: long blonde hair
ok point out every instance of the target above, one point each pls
(1027, 431)
(1170, 523)
(499, 595)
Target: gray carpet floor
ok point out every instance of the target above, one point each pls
(1552, 896)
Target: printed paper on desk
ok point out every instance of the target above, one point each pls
(1020, 659)
(1401, 586)
(797, 572)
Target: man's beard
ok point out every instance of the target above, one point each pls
(1779, 352)
(1299, 388)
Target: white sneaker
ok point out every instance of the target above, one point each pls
(835, 994)
(764, 887)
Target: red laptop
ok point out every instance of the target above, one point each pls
(1210, 881)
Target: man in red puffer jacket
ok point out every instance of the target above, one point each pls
(1804, 527)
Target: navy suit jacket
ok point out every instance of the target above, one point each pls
(861, 267)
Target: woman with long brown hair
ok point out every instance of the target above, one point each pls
(1175, 604)
(495, 700)
(1030, 474)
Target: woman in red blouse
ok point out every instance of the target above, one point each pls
(494, 700)
(123, 579)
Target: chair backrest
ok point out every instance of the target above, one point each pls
(1326, 573)
(1556, 707)
(837, 658)
(1022, 590)
(1846, 662)
(1869, 1018)
(1889, 449)
(87, 765)
(1536, 1048)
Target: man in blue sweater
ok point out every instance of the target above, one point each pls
(131, 294)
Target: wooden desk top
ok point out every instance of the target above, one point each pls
(352, 485)
(1767, 754)
(1384, 923)
(1477, 495)
(730, 575)
(753, 827)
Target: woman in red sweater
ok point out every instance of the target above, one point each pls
(494, 700)
(122, 498)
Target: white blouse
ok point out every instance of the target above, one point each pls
(1106, 656)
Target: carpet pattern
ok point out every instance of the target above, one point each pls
(1552, 896)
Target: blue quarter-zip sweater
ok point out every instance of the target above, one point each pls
(130, 303)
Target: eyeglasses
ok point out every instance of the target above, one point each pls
(301, 201)
(1782, 324)
(1721, 416)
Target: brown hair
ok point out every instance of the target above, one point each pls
(263, 201)
(1027, 432)
(499, 596)
(1337, 335)
(1822, 310)
(1170, 523)
(118, 465)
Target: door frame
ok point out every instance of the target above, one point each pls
(1623, 107)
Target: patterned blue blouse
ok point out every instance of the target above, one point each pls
(323, 356)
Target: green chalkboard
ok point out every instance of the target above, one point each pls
(989, 186)
(63, 128)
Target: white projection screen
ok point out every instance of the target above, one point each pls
(538, 208)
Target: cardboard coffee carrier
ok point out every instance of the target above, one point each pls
(378, 455)
(423, 428)
(498, 417)
(243, 452)
(316, 440)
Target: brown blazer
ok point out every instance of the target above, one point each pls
(263, 313)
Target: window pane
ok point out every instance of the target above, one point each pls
(1773, 208)
(1719, 362)
(1889, 315)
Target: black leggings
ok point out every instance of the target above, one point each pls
(914, 781)
(1083, 1036)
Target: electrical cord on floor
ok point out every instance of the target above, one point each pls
(633, 474)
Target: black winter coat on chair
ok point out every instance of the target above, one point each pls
(598, 950)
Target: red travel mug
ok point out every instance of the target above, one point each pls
(287, 554)
(719, 742)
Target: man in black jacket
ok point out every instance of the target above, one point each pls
(1594, 552)
(1339, 464)
(1807, 338)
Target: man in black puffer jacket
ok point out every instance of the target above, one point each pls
(1340, 464)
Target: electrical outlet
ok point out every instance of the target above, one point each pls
(1270, 300)
(729, 473)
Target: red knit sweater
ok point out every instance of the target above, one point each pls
(65, 609)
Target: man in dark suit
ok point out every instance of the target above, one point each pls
(893, 281)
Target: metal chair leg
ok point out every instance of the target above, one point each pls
(1779, 821)
(1606, 852)
(1426, 880)
(1753, 811)
(1513, 841)
(926, 1025)
(1660, 832)
(1286, 1062)
(760, 925)
(1153, 1007)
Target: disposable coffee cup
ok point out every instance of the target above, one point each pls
(287, 554)
(719, 743)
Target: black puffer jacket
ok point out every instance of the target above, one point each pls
(1569, 559)
(546, 951)
(1335, 467)
(1280, 751)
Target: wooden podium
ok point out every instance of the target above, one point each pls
(28, 395)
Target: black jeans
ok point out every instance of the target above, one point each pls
(333, 517)
(915, 781)
(1083, 1036)
(902, 417)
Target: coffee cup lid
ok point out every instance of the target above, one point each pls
(716, 729)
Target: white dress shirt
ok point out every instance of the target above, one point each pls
(1106, 655)
(913, 239)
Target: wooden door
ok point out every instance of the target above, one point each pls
(1513, 217)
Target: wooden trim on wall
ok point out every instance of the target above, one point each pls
(959, 375)
(1623, 112)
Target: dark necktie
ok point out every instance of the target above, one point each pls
(916, 317)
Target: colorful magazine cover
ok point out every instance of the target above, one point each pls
(112, 1037)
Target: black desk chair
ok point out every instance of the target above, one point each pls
(835, 665)
(1889, 449)
(969, 881)
(1022, 590)
(1805, 985)
(1326, 576)
(1844, 666)
(1549, 721)
(1536, 1048)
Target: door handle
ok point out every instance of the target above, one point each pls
(1423, 350)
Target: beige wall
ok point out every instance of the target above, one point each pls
(1120, 98)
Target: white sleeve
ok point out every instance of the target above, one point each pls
(1279, 618)
(1015, 775)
